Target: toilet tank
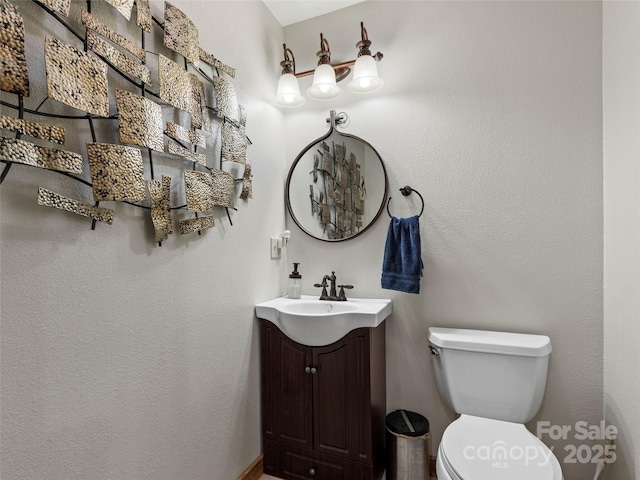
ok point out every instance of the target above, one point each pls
(488, 374)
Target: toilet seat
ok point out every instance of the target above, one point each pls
(444, 471)
(475, 448)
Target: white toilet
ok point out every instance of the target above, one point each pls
(495, 381)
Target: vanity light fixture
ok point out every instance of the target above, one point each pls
(325, 76)
(288, 94)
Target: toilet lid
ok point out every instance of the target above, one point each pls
(477, 448)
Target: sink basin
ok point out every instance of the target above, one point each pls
(314, 322)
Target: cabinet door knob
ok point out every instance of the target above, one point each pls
(307, 370)
(312, 472)
(313, 370)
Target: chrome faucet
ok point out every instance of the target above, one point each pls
(332, 295)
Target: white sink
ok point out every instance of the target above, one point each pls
(314, 322)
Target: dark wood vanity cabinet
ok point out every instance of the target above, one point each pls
(323, 408)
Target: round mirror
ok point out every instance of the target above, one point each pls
(336, 187)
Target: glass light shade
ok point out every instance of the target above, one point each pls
(288, 94)
(324, 83)
(365, 76)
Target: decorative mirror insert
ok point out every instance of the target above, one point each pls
(337, 185)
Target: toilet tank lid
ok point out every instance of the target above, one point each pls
(486, 341)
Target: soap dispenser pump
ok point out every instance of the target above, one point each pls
(295, 283)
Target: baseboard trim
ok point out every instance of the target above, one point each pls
(253, 471)
(256, 469)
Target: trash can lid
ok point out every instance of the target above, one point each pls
(410, 424)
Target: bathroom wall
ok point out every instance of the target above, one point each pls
(493, 111)
(621, 82)
(122, 359)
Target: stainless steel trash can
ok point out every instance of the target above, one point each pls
(407, 446)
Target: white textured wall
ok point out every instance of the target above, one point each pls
(621, 82)
(122, 359)
(493, 111)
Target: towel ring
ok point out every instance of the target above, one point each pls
(406, 191)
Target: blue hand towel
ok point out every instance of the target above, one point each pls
(402, 264)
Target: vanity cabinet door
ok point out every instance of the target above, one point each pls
(341, 397)
(287, 411)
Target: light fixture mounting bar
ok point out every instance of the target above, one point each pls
(335, 67)
(378, 56)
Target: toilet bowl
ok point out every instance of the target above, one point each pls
(475, 448)
(496, 382)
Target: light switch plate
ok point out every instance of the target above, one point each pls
(275, 248)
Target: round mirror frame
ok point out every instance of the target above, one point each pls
(333, 130)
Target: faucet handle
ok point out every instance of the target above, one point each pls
(323, 295)
(341, 296)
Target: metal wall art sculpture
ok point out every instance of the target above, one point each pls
(143, 13)
(18, 151)
(234, 139)
(181, 89)
(140, 120)
(247, 182)
(13, 61)
(50, 133)
(196, 224)
(60, 6)
(52, 199)
(223, 188)
(184, 153)
(180, 133)
(200, 191)
(215, 63)
(180, 34)
(123, 6)
(160, 193)
(92, 23)
(119, 60)
(226, 98)
(77, 79)
(116, 172)
(196, 101)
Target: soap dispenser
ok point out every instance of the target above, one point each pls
(295, 283)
